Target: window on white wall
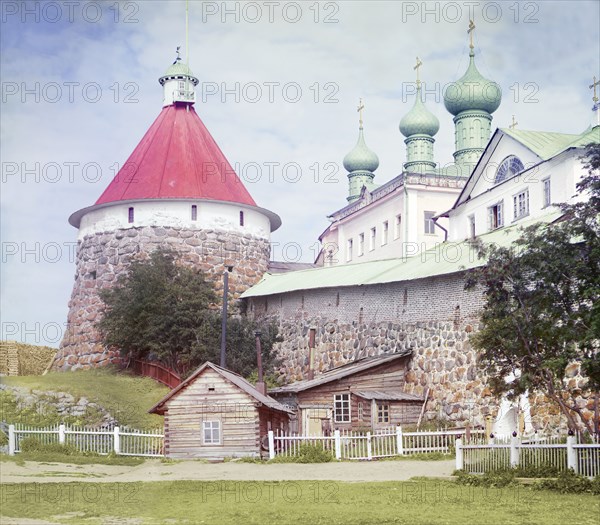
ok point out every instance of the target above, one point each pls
(349, 250)
(496, 216)
(361, 244)
(384, 233)
(194, 212)
(341, 408)
(398, 227)
(130, 215)
(429, 224)
(211, 432)
(373, 238)
(521, 204)
(472, 226)
(547, 194)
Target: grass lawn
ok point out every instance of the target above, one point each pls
(419, 502)
(126, 397)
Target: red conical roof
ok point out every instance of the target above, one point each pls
(177, 159)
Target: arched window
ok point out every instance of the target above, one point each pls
(509, 167)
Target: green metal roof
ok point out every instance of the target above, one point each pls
(445, 258)
(547, 145)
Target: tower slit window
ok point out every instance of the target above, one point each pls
(130, 215)
(194, 212)
(241, 218)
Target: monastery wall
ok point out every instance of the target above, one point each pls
(102, 257)
(434, 317)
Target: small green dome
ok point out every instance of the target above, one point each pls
(177, 69)
(472, 92)
(361, 158)
(419, 120)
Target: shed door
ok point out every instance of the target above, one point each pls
(315, 420)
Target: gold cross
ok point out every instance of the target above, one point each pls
(470, 32)
(360, 108)
(514, 123)
(416, 68)
(593, 86)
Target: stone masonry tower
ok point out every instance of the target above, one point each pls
(176, 190)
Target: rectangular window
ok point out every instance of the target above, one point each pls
(341, 408)
(372, 239)
(349, 250)
(383, 413)
(194, 212)
(361, 244)
(384, 233)
(241, 218)
(130, 216)
(547, 195)
(211, 432)
(521, 204)
(398, 228)
(496, 216)
(429, 225)
(360, 411)
(471, 226)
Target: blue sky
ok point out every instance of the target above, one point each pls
(543, 54)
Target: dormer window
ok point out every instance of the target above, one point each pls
(508, 168)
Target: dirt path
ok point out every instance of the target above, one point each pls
(154, 470)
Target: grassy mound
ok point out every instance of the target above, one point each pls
(31, 359)
(125, 396)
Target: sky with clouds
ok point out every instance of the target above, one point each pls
(279, 83)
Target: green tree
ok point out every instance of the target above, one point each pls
(164, 311)
(542, 304)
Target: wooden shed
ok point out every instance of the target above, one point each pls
(365, 394)
(215, 413)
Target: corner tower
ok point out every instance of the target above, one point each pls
(177, 190)
(471, 99)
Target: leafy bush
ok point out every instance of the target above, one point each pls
(306, 454)
(31, 444)
(568, 482)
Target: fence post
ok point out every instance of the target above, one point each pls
(11, 440)
(399, 441)
(117, 441)
(369, 452)
(514, 451)
(338, 445)
(459, 454)
(61, 434)
(271, 445)
(572, 454)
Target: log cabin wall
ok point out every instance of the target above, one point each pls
(210, 397)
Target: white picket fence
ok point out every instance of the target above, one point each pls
(386, 442)
(124, 442)
(475, 458)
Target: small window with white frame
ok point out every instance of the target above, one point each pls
(211, 432)
(349, 250)
(383, 413)
(361, 244)
(521, 204)
(471, 226)
(341, 408)
(429, 224)
(373, 238)
(398, 227)
(496, 216)
(384, 233)
(547, 195)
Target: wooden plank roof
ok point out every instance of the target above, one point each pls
(230, 376)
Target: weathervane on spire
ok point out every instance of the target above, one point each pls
(416, 68)
(178, 53)
(470, 32)
(360, 108)
(514, 123)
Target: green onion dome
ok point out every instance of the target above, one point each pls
(472, 92)
(419, 120)
(361, 158)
